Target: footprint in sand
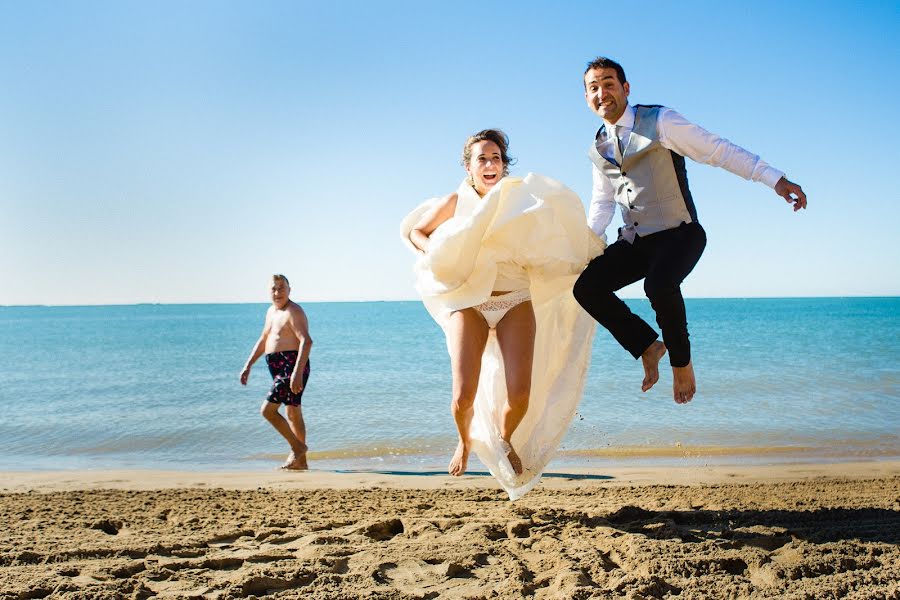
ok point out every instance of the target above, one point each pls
(382, 530)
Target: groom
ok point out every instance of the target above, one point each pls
(638, 157)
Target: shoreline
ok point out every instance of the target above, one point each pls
(559, 478)
(411, 462)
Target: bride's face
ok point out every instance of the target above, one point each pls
(486, 166)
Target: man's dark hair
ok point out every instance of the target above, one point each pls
(602, 62)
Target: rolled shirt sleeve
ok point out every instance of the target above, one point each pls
(687, 139)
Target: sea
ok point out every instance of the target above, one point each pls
(154, 386)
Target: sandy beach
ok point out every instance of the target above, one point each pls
(785, 531)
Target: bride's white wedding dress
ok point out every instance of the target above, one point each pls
(538, 224)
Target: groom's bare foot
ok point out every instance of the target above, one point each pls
(651, 357)
(684, 385)
(459, 461)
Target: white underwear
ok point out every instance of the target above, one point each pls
(495, 308)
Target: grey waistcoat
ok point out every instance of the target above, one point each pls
(651, 186)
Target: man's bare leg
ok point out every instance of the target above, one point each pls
(298, 428)
(515, 336)
(684, 385)
(467, 335)
(269, 410)
(651, 357)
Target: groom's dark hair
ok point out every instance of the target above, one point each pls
(602, 62)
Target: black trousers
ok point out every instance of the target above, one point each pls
(662, 260)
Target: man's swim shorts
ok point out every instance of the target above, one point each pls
(281, 365)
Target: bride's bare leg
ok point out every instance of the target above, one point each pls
(467, 334)
(515, 335)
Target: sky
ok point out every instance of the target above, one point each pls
(182, 152)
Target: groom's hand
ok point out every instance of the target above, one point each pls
(791, 192)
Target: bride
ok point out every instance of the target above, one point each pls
(497, 261)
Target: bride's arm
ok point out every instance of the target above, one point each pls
(431, 220)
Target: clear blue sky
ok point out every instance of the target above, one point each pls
(184, 151)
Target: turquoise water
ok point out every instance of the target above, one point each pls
(156, 386)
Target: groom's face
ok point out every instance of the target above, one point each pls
(605, 94)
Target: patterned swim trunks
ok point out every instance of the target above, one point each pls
(281, 365)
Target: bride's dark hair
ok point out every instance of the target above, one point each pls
(492, 135)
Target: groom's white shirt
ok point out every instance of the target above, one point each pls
(687, 139)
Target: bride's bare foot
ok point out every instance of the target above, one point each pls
(514, 461)
(459, 461)
(651, 357)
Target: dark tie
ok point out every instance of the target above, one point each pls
(620, 150)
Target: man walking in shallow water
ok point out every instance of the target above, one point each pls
(286, 343)
(638, 155)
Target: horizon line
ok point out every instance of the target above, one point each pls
(642, 298)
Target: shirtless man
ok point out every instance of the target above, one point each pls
(286, 343)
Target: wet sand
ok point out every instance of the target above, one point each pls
(785, 531)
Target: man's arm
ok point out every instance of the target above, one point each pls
(603, 204)
(680, 135)
(300, 327)
(258, 350)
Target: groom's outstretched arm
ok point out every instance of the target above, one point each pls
(688, 139)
